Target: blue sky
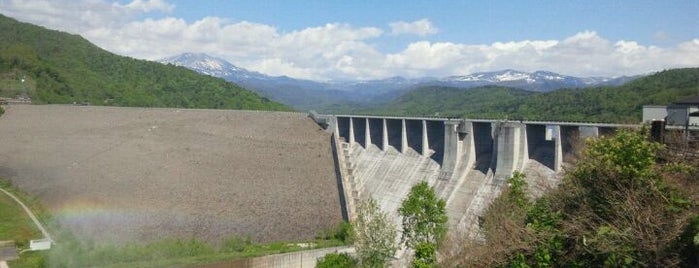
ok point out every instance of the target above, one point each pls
(475, 21)
(330, 39)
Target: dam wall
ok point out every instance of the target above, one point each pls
(468, 162)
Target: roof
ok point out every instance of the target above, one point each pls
(690, 101)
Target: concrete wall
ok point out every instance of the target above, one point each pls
(466, 161)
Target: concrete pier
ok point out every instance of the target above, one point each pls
(351, 132)
(425, 141)
(384, 135)
(511, 148)
(403, 137)
(367, 133)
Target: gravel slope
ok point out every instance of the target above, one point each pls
(137, 174)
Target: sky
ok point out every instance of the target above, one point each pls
(350, 40)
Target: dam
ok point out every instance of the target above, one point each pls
(119, 175)
(466, 161)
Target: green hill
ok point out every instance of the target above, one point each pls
(602, 104)
(482, 102)
(55, 67)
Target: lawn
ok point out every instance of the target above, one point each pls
(16, 225)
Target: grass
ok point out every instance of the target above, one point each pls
(16, 225)
(169, 252)
(70, 252)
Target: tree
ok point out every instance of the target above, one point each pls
(374, 235)
(628, 202)
(424, 223)
(336, 260)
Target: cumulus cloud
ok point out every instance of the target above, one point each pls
(419, 27)
(338, 50)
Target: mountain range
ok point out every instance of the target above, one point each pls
(307, 94)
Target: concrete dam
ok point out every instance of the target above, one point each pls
(466, 161)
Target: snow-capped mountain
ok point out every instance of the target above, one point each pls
(306, 94)
(536, 81)
(205, 64)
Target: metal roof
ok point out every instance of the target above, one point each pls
(694, 100)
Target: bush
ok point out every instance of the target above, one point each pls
(619, 207)
(336, 260)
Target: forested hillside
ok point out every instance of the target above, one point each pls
(55, 67)
(602, 104)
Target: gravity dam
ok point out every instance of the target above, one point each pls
(466, 161)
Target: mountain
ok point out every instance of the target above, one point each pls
(205, 64)
(541, 81)
(55, 67)
(298, 93)
(619, 104)
(343, 95)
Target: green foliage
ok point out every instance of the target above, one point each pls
(236, 244)
(622, 104)
(374, 235)
(63, 68)
(629, 154)
(425, 255)
(341, 232)
(619, 207)
(447, 101)
(424, 222)
(517, 190)
(336, 260)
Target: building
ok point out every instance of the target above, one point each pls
(681, 113)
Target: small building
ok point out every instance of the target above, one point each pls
(680, 113)
(686, 111)
(654, 112)
(40, 244)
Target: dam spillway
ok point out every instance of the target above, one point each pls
(467, 162)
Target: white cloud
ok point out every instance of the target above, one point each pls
(421, 27)
(583, 54)
(148, 5)
(337, 50)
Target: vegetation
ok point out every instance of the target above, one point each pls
(424, 223)
(17, 226)
(68, 251)
(621, 206)
(336, 260)
(374, 235)
(55, 67)
(622, 104)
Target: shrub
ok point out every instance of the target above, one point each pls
(336, 260)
